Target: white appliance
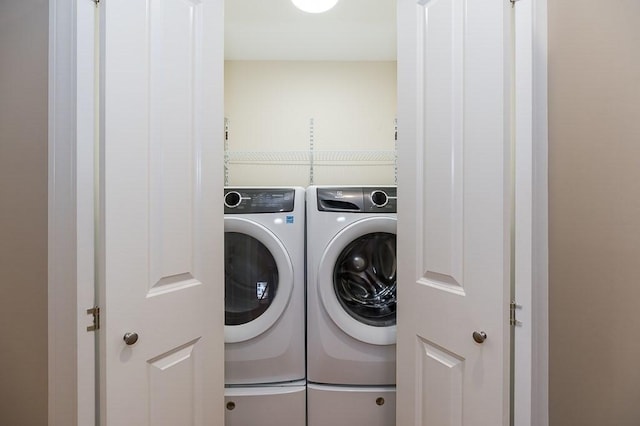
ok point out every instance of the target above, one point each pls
(264, 303)
(351, 301)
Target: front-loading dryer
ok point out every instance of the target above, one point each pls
(351, 285)
(264, 285)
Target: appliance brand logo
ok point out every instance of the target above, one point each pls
(289, 219)
(339, 194)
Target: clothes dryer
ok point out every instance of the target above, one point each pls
(351, 285)
(264, 285)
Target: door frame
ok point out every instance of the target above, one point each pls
(72, 125)
(71, 141)
(531, 334)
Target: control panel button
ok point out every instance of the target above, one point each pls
(232, 199)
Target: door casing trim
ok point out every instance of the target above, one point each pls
(71, 350)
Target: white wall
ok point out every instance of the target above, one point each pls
(23, 211)
(270, 104)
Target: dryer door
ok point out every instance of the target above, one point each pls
(357, 280)
(258, 279)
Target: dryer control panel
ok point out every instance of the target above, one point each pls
(258, 200)
(358, 199)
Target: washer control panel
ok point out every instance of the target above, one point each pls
(258, 200)
(358, 199)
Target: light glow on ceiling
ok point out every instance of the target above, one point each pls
(314, 6)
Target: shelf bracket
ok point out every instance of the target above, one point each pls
(311, 147)
(395, 151)
(226, 152)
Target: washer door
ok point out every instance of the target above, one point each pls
(258, 277)
(357, 280)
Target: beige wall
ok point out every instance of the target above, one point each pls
(594, 195)
(23, 212)
(269, 105)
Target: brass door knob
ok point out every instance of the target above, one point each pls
(479, 336)
(130, 338)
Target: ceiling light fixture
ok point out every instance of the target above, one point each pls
(314, 6)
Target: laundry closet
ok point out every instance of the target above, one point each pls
(310, 174)
(304, 122)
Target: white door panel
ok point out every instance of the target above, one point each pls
(454, 212)
(161, 224)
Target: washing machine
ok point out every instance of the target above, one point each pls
(264, 303)
(351, 301)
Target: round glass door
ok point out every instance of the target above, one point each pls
(258, 279)
(364, 279)
(250, 278)
(357, 280)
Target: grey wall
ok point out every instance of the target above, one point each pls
(23, 212)
(594, 196)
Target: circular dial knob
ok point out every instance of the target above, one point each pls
(232, 199)
(379, 198)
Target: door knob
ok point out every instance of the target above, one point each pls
(130, 338)
(479, 336)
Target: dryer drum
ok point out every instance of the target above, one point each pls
(364, 279)
(250, 278)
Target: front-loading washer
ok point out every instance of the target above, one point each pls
(351, 285)
(264, 285)
(351, 306)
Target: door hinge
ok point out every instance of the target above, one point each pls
(95, 311)
(513, 321)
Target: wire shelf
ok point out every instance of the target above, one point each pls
(279, 157)
(310, 158)
(319, 157)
